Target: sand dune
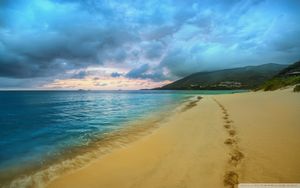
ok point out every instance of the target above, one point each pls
(217, 141)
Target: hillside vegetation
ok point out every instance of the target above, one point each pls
(249, 77)
(287, 77)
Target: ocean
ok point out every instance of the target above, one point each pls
(41, 130)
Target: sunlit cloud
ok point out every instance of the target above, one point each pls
(104, 83)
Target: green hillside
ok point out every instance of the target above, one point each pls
(286, 77)
(249, 77)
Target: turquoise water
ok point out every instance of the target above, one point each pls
(39, 126)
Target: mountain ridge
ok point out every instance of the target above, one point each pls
(248, 77)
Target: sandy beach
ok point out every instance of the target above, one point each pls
(216, 141)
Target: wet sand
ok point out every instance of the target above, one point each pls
(215, 141)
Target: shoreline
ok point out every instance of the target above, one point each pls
(101, 145)
(165, 147)
(195, 148)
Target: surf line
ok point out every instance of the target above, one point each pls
(231, 175)
(191, 104)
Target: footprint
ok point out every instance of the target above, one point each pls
(232, 132)
(225, 117)
(231, 179)
(229, 121)
(229, 141)
(227, 126)
(235, 157)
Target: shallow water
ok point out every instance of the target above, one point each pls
(41, 126)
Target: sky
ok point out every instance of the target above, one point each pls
(132, 44)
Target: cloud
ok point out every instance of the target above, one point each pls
(80, 75)
(225, 40)
(155, 40)
(145, 72)
(66, 37)
(138, 72)
(101, 84)
(153, 49)
(115, 74)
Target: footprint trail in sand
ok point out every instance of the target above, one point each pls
(231, 177)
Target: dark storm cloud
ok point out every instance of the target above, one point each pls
(41, 39)
(37, 55)
(138, 72)
(116, 74)
(60, 37)
(80, 75)
(143, 72)
(153, 49)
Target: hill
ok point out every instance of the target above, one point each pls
(249, 77)
(288, 76)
